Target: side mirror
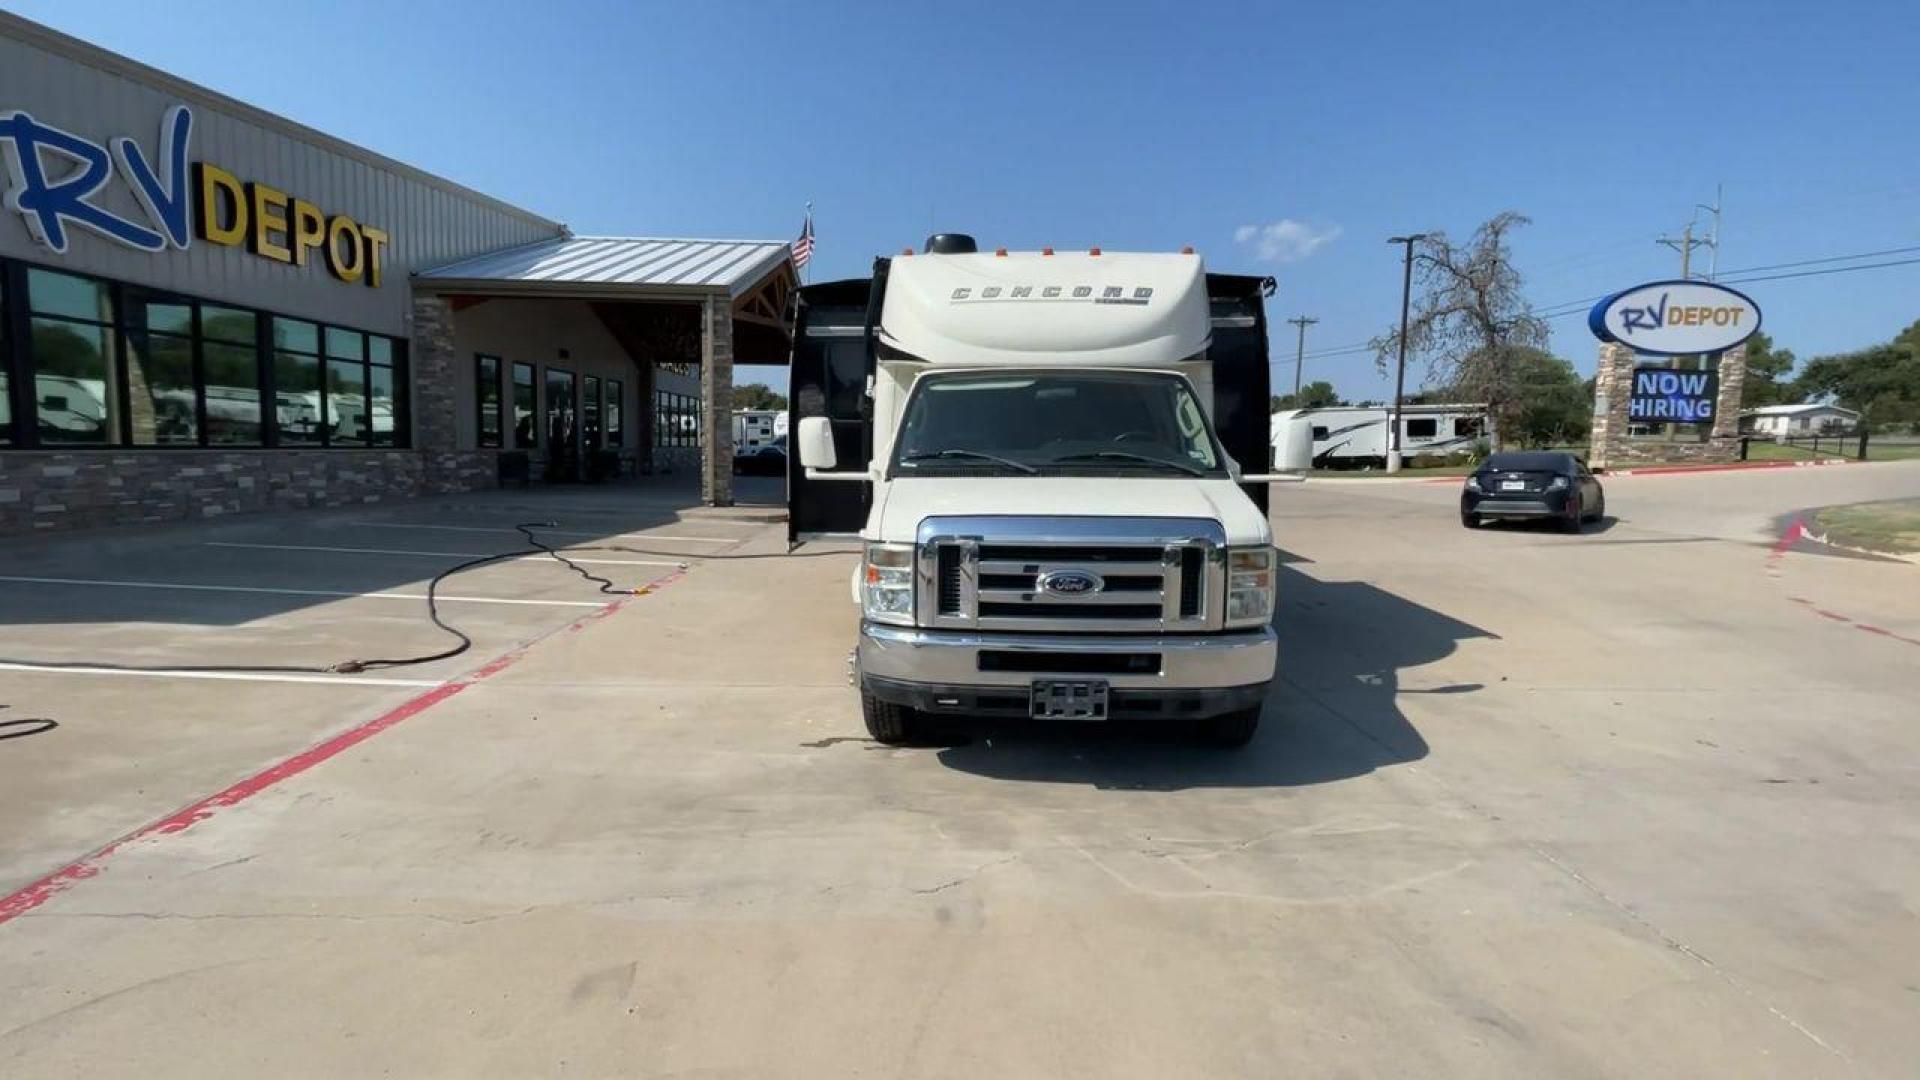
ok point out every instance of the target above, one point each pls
(1294, 450)
(816, 443)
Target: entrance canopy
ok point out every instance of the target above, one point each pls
(756, 279)
(703, 303)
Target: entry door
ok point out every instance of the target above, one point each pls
(563, 426)
(1241, 406)
(829, 378)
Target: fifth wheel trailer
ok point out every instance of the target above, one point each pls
(1042, 454)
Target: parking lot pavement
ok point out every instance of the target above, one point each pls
(1526, 805)
(305, 590)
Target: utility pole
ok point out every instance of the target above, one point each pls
(1713, 242)
(1400, 373)
(1685, 246)
(1300, 356)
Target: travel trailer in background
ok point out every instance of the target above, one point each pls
(1355, 436)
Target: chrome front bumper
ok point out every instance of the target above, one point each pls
(1239, 658)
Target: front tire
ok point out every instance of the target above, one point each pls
(894, 725)
(1471, 521)
(1230, 731)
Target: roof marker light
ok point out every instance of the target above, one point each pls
(905, 251)
(1046, 251)
(1187, 250)
(999, 253)
(1093, 251)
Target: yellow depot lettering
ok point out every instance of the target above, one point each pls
(269, 218)
(345, 256)
(309, 230)
(1737, 312)
(222, 212)
(376, 242)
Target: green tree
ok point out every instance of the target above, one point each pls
(1882, 382)
(1315, 395)
(757, 396)
(1767, 370)
(1555, 405)
(1470, 319)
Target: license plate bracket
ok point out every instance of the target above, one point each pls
(1069, 699)
(1513, 485)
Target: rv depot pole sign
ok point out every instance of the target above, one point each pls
(1675, 318)
(54, 177)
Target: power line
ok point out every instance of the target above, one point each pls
(1828, 259)
(1829, 270)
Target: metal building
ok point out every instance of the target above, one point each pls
(209, 309)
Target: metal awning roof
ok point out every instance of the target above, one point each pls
(616, 265)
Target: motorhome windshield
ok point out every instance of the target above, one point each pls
(1055, 424)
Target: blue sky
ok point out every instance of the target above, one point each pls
(1280, 138)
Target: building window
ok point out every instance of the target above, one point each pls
(526, 432)
(676, 419)
(193, 373)
(486, 389)
(386, 412)
(562, 420)
(348, 420)
(230, 376)
(76, 397)
(1424, 428)
(105, 364)
(590, 405)
(616, 414)
(1466, 427)
(162, 403)
(296, 383)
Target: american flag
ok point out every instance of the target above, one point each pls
(803, 247)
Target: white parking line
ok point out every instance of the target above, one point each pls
(227, 676)
(437, 554)
(555, 532)
(295, 592)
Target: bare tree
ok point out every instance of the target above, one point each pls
(1469, 319)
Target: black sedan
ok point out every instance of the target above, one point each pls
(1533, 484)
(768, 459)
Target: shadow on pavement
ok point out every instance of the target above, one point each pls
(1332, 713)
(252, 567)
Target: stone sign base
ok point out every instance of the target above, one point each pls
(1613, 384)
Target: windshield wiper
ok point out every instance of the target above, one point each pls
(977, 454)
(1128, 455)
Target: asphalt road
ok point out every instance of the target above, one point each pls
(1641, 802)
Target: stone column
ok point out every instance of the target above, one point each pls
(1612, 383)
(716, 401)
(1733, 386)
(434, 366)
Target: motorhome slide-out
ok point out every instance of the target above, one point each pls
(1055, 518)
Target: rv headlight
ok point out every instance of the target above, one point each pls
(886, 588)
(1249, 585)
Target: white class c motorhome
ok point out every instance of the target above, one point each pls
(1053, 524)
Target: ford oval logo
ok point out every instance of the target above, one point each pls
(1070, 582)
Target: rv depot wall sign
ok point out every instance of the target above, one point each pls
(54, 177)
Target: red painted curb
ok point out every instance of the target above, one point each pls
(23, 900)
